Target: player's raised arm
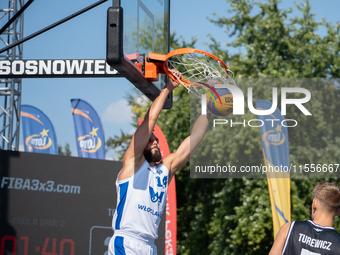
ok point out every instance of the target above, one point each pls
(134, 156)
(178, 159)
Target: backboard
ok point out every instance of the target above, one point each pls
(135, 28)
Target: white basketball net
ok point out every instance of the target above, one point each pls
(200, 70)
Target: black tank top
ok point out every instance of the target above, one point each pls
(308, 238)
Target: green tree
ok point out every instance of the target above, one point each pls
(275, 46)
(67, 151)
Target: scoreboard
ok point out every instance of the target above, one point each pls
(57, 205)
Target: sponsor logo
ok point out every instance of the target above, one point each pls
(154, 195)
(56, 67)
(39, 140)
(149, 210)
(274, 137)
(90, 143)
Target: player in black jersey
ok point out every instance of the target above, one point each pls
(316, 236)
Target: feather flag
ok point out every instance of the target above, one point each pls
(274, 137)
(90, 137)
(39, 135)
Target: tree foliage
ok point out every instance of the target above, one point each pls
(233, 216)
(67, 151)
(277, 46)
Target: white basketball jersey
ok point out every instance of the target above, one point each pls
(140, 202)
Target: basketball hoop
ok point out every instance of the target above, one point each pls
(197, 69)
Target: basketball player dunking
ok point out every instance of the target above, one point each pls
(142, 182)
(316, 236)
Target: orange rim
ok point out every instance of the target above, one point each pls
(183, 51)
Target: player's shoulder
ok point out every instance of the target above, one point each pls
(168, 160)
(131, 167)
(285, 227)
(326, 230)
(283, 232)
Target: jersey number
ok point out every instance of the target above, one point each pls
(306, 252)
(163, 182)
(154, 195)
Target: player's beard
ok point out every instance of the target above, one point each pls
(152, 156)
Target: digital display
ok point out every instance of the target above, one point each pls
(57, 205)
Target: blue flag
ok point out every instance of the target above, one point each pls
(274, 137)
(90, 137)
(38, 131)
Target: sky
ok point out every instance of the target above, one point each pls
(84, 37)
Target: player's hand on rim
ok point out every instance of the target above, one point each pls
(171, 84)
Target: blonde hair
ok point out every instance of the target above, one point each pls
(329, 195)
